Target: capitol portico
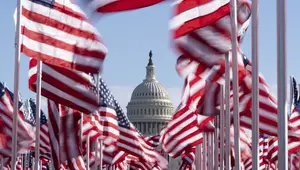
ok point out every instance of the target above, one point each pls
(150, 108)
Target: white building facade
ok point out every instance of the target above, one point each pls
(150, 107)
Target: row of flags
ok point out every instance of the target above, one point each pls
(83, 111)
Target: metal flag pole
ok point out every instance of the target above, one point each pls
(198, 157)
(281, 83)
(16, 85)
(216, 142)
(95, 148)
(227, 111)
(221, 133)
(211, 151)
(101, 154)
(201, 154)
(88, 152)
(38, 112)
(255, 89)
(208, 150)
(204, 151)
(233, 15)
(100, 141)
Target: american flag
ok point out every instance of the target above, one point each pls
(130, 140)
(153, 140)
(68, 87)
(30, 117)
(54, 130)
(104, 6)
(263, 144)
(119, 157)
(295, 158)
(188, 158)
(29, 161)
(186, 127)
(201, 28)
(64, 138)
(58, 33)
(104, 122)
(246, 158)
(25, 132)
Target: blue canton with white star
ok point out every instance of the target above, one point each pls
(11, 94)
(263, 136)
(108, 100)
(29, 110)
(47, 3)
(296, 96)
(2, 89)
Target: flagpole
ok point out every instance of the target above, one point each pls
(227, 111)
(101, 142)
(221, 134)
(16, 85)
(198, 157)
(255, 89)
(101, 154)
(281, 83)
(38, 112)
(216, 142)
(208, 150)
(95, 147)
(201, 154)
(204, 151)
(211, 153)
(235, 83)
(88, 152)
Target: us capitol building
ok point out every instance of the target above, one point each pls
(150, 108)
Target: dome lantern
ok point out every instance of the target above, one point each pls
(150, 70)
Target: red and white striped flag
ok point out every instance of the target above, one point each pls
(104, 6)
(29, 111)
(70, 88)
(26, 133)
(102, 125)
(201, 28)
(130, 140)
(58, 33)
(65, 140)
(186, 127)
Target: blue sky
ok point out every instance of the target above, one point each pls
(130, 35)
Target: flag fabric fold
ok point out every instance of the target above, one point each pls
(58, 33)
(71, 88)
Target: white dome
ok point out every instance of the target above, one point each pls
(150, 90)
(150, 106)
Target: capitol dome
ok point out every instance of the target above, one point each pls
(150, 107)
